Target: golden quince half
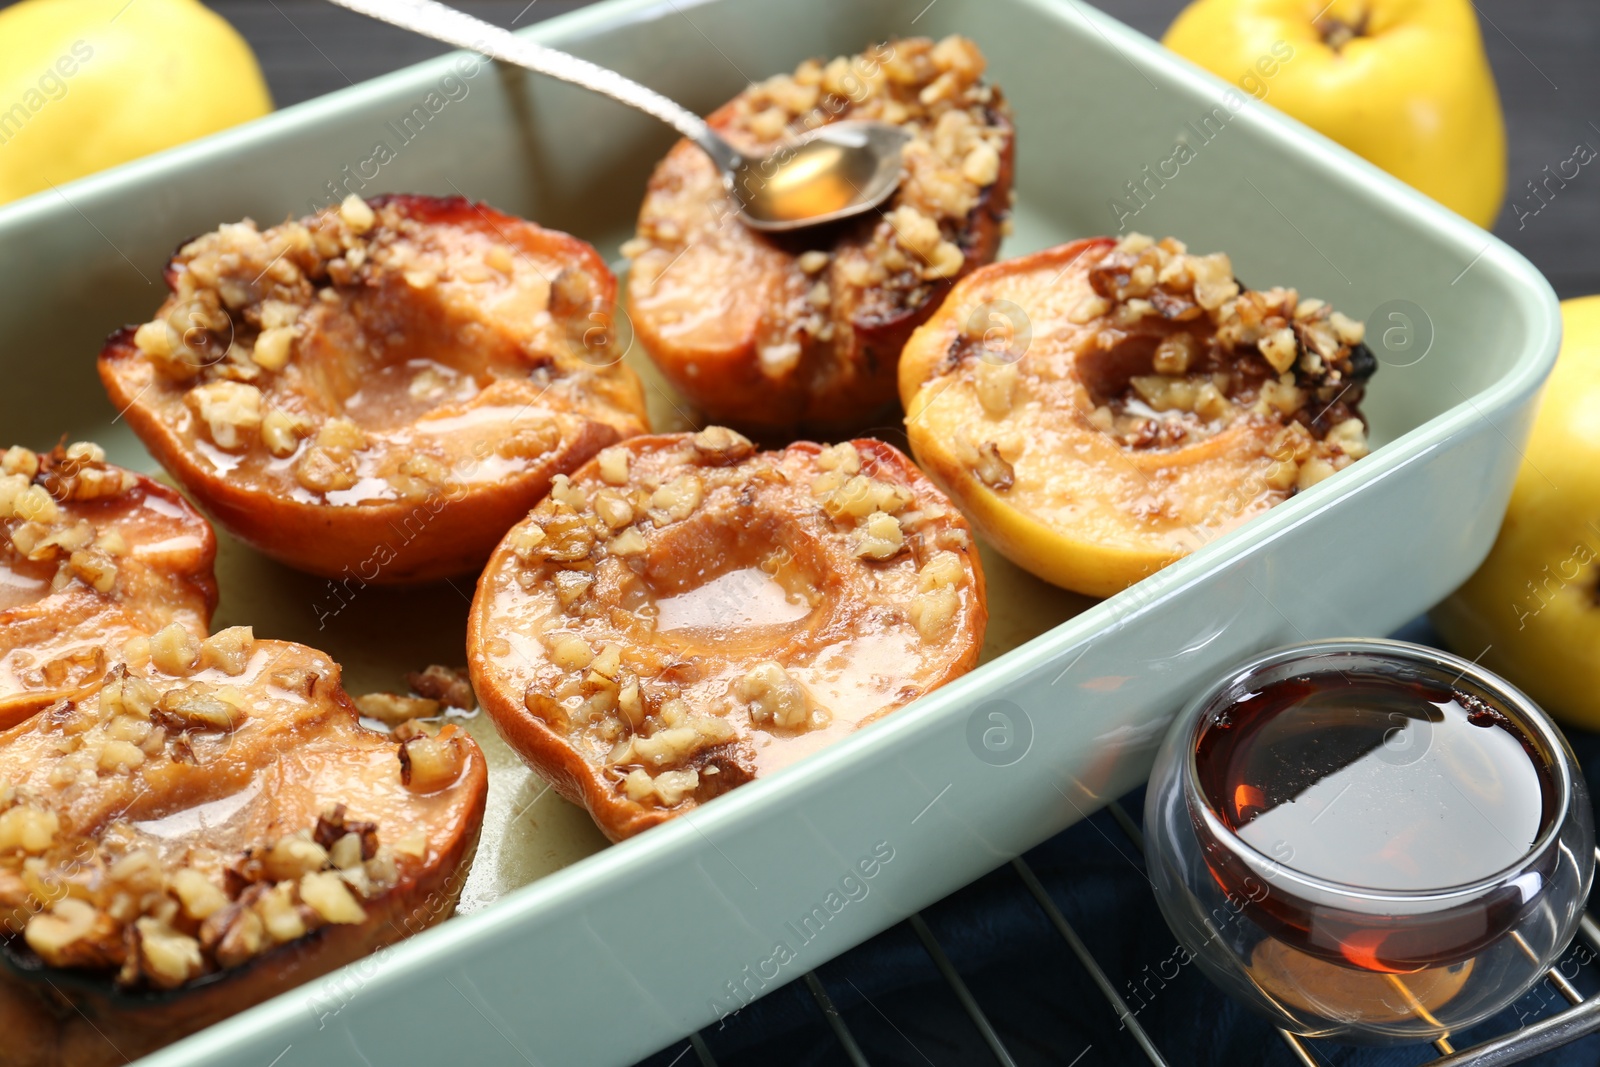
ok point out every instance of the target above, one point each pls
(1534, 604)
(1102, 408)
(1402, 83)
(88, 84)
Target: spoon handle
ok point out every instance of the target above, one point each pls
(442, 23)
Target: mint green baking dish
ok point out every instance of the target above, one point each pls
(573, 954)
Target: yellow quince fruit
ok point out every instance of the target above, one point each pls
(1403, 83)
(1533, 608)
(88, 84)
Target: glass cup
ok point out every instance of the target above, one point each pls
(1359, 927)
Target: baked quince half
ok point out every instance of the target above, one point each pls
(381, 389)
(210, 826)
(1105, 407)
(91, 555)
(769, 332)
(685, 613)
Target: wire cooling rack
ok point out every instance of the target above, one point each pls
(1580, 1017)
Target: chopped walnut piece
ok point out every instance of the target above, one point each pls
(880, 537)
(992, 468)
(720, 446)
(428, 764)
(392, 709)
(65, 935)
(228, 650)
(450, 687)
(200, 896)
(28, 829)
(19, 460)
(201, 707)
(166, 958)
(282, 432)
(334, 825)
(328, 895)
(231, 412)
(614, 466)
(174, 650)
(774, 697)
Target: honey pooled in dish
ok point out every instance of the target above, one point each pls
(774, 332)
(1105, 407)
(90, 556)
(380, 389)
(685, 613)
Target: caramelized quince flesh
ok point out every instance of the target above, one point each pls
(91, 555)
(384, 386)
(1103, 408)
(685, 613)
(770, 333)
(213, 823)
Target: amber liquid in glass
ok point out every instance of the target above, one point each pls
(1378, 783)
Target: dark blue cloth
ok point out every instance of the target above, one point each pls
(1037, 995)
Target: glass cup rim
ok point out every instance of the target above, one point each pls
(1530, 717)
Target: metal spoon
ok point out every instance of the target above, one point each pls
(833, 172)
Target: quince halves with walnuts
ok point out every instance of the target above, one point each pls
(773, 332)
(1142, 403)
(380, 389)
(686, 613)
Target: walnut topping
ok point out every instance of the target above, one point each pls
(429, 764)
(200, 896)
(231, 412)
(282, 432)
(28, 829)
(355, 213)
(997, 387)
(720, 446)
(614, 466)
(1222, 350)
(776, 699)
(201, 707)
(992, 468)
(450, 687)
(69, 934)
(37, 525)
(329, 896)
(250, 306)
(841, 457)
(174, 650)
(392, 709)
(655, 660)
(880, 537)
(228, 650)
(165, 957)
(334, 826)
(19, 460)
(106, 895)
(669, 788)
(675, 500)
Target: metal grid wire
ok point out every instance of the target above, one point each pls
(1580, 1018)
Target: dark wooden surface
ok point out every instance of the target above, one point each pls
(1543, 53)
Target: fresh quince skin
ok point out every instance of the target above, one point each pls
(1403, 83)
(88, 84)
(1533, 607)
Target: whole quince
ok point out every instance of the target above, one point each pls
(1403, 83)
(1535, 602)
(88, 84)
